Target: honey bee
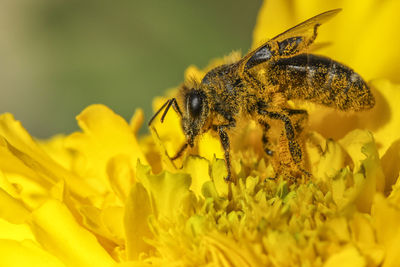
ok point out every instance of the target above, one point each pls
(258, 87)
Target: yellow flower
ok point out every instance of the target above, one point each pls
(104, 197)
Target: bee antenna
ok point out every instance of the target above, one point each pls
(158, 111)
(167, 108)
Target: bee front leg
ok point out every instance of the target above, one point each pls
(180, 152)
(224, 138)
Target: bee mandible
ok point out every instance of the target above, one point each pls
(259, 85)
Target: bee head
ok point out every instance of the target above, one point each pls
(195, 114)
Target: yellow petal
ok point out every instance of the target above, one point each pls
(18, 137)
(390, 165)
(121, 175)
(12, 209)
(55, 148)
(170, 191)
(330, 162)
(369, 177)
(341, 196)
(57, 231)
(281, 247)
(353, 143)
(210, 146)
(25, 253)
(137, 211)
(27, 162)
(198, 169)
(7, 186)
(339, 228)
(348, 257)
(11, 163)
(106, 222)
(113, 219)
(136, 121)
(386, 219)
(105, 135)
(218, 174)
(223, 251)
(364, 236)
(387, 110)
(379, 30)
(17, 232)
(32, 193)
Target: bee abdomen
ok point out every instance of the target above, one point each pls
(321, 80)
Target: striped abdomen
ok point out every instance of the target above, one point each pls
(320, 80)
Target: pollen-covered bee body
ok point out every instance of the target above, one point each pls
(226, 91)
(319, 80)
(259, 85)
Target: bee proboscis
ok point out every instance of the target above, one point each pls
(280, 69)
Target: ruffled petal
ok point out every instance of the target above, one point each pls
(26, 253)
(65, 238)
(386, 218)
(136, 221)
(170, 192)
(26, 165)
(105, 135)
(11, 209)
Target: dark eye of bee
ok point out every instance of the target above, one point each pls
(195, 104)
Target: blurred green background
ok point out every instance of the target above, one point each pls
(59, 56)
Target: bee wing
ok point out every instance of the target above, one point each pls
(305, 29)
(289, 43)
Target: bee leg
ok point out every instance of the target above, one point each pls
(289, 132)
(223, 136)
(264, 139)
(299, 118)
(295, 151)
(179, 153)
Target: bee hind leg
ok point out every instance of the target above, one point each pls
(265, 139)
(299, 117)
(291, 158)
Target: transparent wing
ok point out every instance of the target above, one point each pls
(306, 28)
(289, 43)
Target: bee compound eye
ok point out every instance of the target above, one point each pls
(195, 105)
